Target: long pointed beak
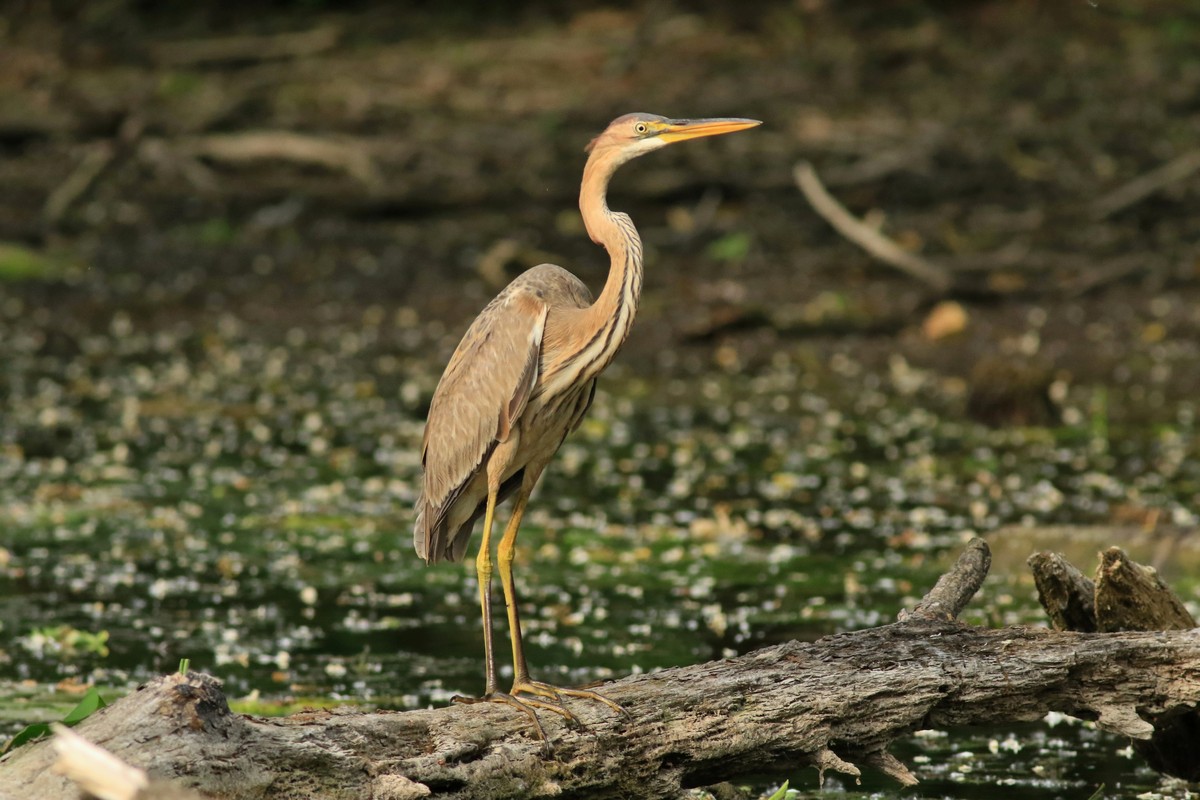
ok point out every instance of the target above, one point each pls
(679, 130)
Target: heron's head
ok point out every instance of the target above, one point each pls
(633, 135)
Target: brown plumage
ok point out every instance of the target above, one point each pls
(481, 399)
(521, 379)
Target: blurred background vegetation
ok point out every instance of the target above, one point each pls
(238, 243)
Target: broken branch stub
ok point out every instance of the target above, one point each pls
(1132, 597)
(1067, 595)
(1126, 596)
(950, 595)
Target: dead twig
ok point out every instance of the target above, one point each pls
(95, 159)
(1143, 186)
(348, 156)
(246, 48)
(864, 235)
(1110, 272)
(171, 163)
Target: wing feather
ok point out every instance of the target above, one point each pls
(478, 401)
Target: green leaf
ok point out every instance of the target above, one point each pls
(90, 704)
(18, 263)
(217, 231)
(30, 732)
(732, 247)
(184, 665)
(780, 793)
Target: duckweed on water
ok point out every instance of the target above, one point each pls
(242, 497)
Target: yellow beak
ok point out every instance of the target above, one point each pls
(679, 130)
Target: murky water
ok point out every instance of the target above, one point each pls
(239, 494)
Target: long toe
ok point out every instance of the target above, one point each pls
(524, 705)
(557, 693)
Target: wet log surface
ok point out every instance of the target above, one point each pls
(836, 703)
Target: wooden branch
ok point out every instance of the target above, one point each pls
(94, 769)
(194, 52)
(343, 155)
(95, 158)
(1110, 271)
(1141, 187)
(950, 595)
(835, 704)
(864, 235)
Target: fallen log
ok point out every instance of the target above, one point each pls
(835, 704)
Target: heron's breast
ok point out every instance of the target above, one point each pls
(549, 417)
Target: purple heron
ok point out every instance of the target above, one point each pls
(520, 380)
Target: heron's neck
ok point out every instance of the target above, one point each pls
(611, 316)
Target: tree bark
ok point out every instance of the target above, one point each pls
(1067, 595)
(1126, 596)
(1131, 597)
(834, 704)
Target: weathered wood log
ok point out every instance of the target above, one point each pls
(1126, 596)
(1132, 597)
(1067, 595)
(834, 704)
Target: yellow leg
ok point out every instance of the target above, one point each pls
(504, 555)
(483, 570)
(522, 683)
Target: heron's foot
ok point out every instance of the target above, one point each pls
(557, 693)
(525, 705)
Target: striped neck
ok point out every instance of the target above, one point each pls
(610, 318)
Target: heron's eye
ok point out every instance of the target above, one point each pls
(640, 127)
